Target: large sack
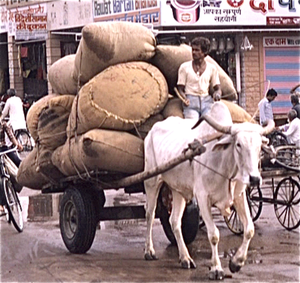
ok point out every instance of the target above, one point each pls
(109, 43)
(37, 170)
(238, 114)
(168, 59)
(32, 117)
(60, 75)
(100, 149)
(119, 98)
(173, 108)
(53, 121)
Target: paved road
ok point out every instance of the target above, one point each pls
(39, 255)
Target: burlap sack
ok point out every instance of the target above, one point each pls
(60, 75)
(32, 117)
(119, 98)
(173, 108)
(168, 59)
(100, 149)
(53, 121)
(238, 114)
(37, 170)
(108, 43)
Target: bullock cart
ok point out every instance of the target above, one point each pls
(82, 203)
(280, 172)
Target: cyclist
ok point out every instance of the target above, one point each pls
(14, 109)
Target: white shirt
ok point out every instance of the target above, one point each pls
(265, 110)
(293, 132)
(195, 84)
(14, 109)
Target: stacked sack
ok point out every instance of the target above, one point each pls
(109, 95)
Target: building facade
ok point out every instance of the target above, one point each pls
(256, 42)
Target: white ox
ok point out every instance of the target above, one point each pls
(231, 163)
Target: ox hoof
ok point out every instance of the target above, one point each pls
(216, 275)
(234, 267)
(148, 256)
(187, 264)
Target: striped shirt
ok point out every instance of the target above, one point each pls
(6, 128)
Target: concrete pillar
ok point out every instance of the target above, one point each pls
(15, 68)
(53, 53)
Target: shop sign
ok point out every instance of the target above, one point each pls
(26, 23)
(230, 12)
(3, 19)
(281, 41)
(138, 11)
(69, 14)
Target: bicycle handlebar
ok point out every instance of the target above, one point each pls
(8, 151)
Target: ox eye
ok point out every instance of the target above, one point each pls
(238, 145)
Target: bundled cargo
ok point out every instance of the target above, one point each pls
(168, 59)
(120, 98)
(109, 43)
(173, 108)
(60, 75)
(48, 118)
(238, 114)
(100, 150)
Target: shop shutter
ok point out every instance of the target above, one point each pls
(282, 67)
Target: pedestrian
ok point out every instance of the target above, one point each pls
(14, 109)
(296, 104)
(292, 130)
(265, 107)
(195, 78)
(6, 128)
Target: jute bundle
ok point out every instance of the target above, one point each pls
(36, 170)
(100, 149)
(34, 111)
(238, 114)
(119, 98)
(108, 43)
(53, 121)
(60, 75)
(168, 59)
(173, 108)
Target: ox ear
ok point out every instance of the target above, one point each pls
(223, 143)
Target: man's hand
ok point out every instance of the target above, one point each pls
(216, 96)
(19, 147)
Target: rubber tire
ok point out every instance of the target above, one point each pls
(15, 210)
(78, 231)
(189, 224)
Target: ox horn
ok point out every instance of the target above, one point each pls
(268, 128)
(213, 123)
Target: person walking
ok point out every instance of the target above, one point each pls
(14, 109)
(265, 107)
(195, 78)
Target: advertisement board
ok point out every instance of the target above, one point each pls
(230, 13)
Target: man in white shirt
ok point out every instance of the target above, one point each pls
(195, 78)
(14, 109)
(293, 131)
(265, 107)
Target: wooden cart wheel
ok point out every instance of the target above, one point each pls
(77, 220)
(287, 203)
(190, 219)
(254, 199)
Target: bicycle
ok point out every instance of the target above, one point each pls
(12, 206)
(25, 139)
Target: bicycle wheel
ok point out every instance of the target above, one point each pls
(13, 204)
(254, 199)
(287, 203)
(234, 222)
(24, 139)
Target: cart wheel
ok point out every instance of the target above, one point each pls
(287, 203)
(77, 220)
(254, 199)
(189, 223)
(234, 223)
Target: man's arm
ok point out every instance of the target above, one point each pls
(217, 92)
(5, 110)
(182, 96)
